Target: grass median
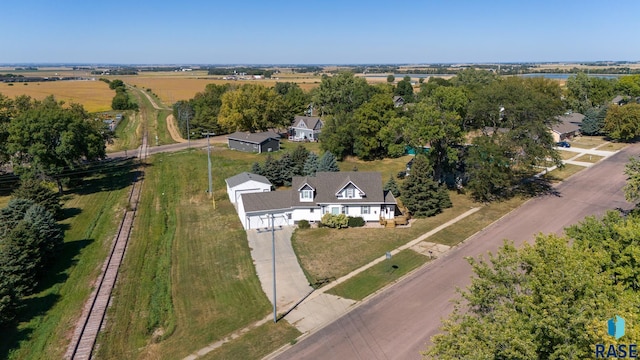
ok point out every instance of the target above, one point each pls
(379, 275)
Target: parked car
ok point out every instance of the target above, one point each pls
(563, 144)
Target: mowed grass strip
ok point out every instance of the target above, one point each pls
(589, 158)
(93, 213)
(128, 134)
(327, 253)
(563, 173)
(588, 142)
(94, 96)
(257, 343)
(463, 229)
(188, 279)
(379, 275)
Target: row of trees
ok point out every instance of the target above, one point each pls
(301, 162)
(30, 239)
(121, 100)
(249, 107)
(44, 139)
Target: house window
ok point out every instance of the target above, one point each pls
(311, 211)
(345, 209)
(365, 210)
(306, 195)
(335, 210)
(349, 193)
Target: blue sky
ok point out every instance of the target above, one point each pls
(317, 32)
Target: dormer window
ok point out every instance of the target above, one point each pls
(306, 195)
(350, 193)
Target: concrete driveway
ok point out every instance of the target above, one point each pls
(291, 284)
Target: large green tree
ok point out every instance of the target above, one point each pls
(623, 122)
(252, 108)
(440, 131)
(341, 94)
(593, 122)
(47, 138)
(550, 300)
(632, 187)
(338, 134)
(489, 168)
(370, 119)
(405, 89)
(294, 100)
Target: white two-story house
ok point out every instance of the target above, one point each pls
(310, 197)
(305, 128)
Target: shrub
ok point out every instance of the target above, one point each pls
(355, 221)
(303, 224)
(335, 221)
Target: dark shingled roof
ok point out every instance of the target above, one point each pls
(309, 121)
(568, 123)
(244, 177)
(267, 201)
(254, 138)
(326, 185)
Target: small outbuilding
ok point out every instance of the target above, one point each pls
(254, 142)
(245, 183)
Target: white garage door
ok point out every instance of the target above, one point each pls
(264, 221)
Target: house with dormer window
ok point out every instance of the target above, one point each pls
(352, 193)
(305, 128)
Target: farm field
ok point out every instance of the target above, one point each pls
(95, 96)
(172, 87)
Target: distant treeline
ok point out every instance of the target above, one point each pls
(116, 71)
(241, 71)
(28, 68)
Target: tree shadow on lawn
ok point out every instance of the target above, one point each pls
(39, 304)
(113, 176)
(536, 186)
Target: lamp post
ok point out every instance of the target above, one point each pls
(213, 199)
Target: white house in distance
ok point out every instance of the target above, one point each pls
(305, 128)
(244, 183)
(351, 193)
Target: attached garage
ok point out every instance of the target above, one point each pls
(256, 209)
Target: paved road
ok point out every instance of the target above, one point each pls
(398, 323)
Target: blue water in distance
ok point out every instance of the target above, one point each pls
(566, 76)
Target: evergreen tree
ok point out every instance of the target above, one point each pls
(392, 186)
(298, 158)
(37, 192)
(257, 169)
(271, 170)
(285, 169)
(420, 193)
(593, 121)
(328, 162)
(311, 165)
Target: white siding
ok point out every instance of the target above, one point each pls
(250, 186)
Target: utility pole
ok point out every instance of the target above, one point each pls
(188, 132)
(213, 199)
(273, 256)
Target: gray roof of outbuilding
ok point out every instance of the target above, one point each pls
(244, 177)
(255, 138)
(568, 123)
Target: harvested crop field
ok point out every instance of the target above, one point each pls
(95, 95)
(179, 87)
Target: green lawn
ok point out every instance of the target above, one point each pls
(330, 253)
(257, 343)
(379, 275)
(564, 172)
(128, 134)
(566, 155)
(92, 212)
(589, 158)
(188, 278)
(587, 142)
(387, 167)
(612, 146)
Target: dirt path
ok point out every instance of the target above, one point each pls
(173, 129)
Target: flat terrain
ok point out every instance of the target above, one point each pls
(398, 323)
(95, 95)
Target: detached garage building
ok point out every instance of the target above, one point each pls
(254, 142)
(245, 183)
